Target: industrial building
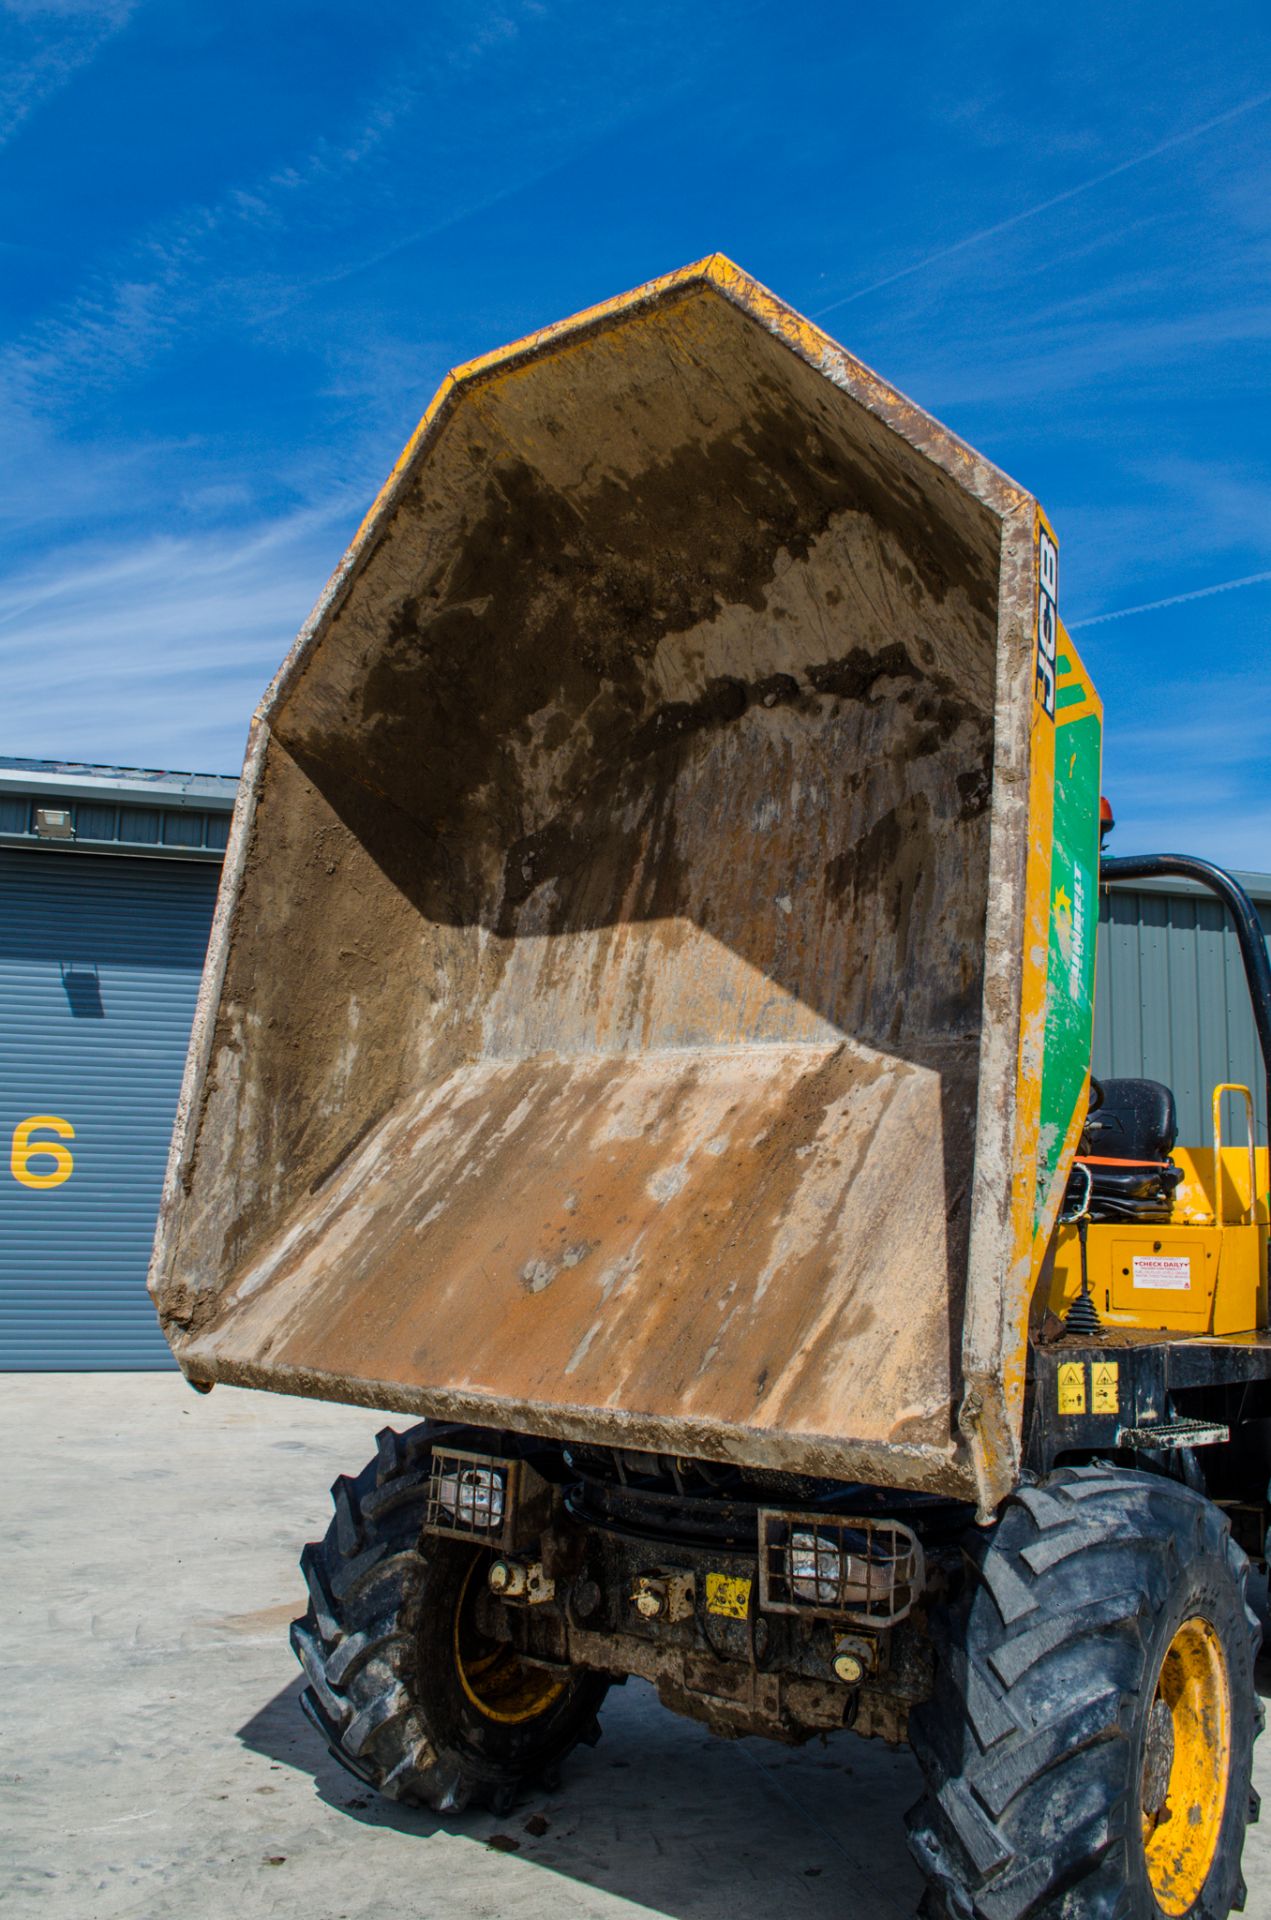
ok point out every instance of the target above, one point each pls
(108, 882)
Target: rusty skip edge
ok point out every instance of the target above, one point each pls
(190, 1100)
(999, 1286)
(903, 416)
(829, 1456)
(985, 1465)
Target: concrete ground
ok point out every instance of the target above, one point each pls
(157, 1765)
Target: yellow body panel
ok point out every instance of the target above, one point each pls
(1198, 1200)
(1200, 1273)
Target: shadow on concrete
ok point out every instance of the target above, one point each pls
(673, 1819)
(281, 1733)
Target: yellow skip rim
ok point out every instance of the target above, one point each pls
(494, 1680)
(1180, 1835)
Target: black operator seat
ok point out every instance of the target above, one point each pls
(1129, 1135)
(1132, 1120)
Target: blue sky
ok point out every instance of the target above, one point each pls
(240, 245)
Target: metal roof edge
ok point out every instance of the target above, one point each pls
(207, 792)
(1256, 885)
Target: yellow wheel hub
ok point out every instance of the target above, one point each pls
(498, 1685)
(1186, 1766)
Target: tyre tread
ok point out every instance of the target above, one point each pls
(1018, 1742)
(365, 1580)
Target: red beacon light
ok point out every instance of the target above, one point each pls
(1106, 820)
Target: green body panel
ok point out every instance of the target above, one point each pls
(1074, 911)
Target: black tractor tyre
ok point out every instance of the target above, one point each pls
(1100, 1643)
(382, 1647)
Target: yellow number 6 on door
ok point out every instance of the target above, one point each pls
(25, 1150)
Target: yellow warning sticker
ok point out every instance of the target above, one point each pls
(1072, 1386)
(1105, 1387)
(729, 1594)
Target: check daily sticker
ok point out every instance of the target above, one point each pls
(1166, 1275)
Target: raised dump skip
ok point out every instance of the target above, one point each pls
(593, 1027)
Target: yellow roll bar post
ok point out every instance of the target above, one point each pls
(1251, 1212)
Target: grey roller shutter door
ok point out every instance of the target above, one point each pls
(100, 961)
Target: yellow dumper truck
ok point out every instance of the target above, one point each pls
(646, 1035)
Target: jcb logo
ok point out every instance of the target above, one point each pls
(41, 1163)
(1047, 618)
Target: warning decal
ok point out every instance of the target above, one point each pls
(1072, 1386)
(1174, 1275)
(1105, 1387)
(728, 1594)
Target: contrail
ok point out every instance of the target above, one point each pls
(1175, 600)
(1044, 206)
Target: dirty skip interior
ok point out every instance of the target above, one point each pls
(630, 814)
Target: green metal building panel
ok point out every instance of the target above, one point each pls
(1172, 1003)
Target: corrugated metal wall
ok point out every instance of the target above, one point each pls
(1172, 1004)
(100, 961)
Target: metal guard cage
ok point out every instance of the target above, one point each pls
(838, 1567)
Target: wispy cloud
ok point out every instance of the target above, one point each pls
(1231, 829)
(1029, 362)
(44, 44)
(1172, 600)
(999, 227)
(158, 651)
(1223, 720)
(404, 169)
(1189, 524)
(1188, 768)
(127, 312)
(211, 260)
